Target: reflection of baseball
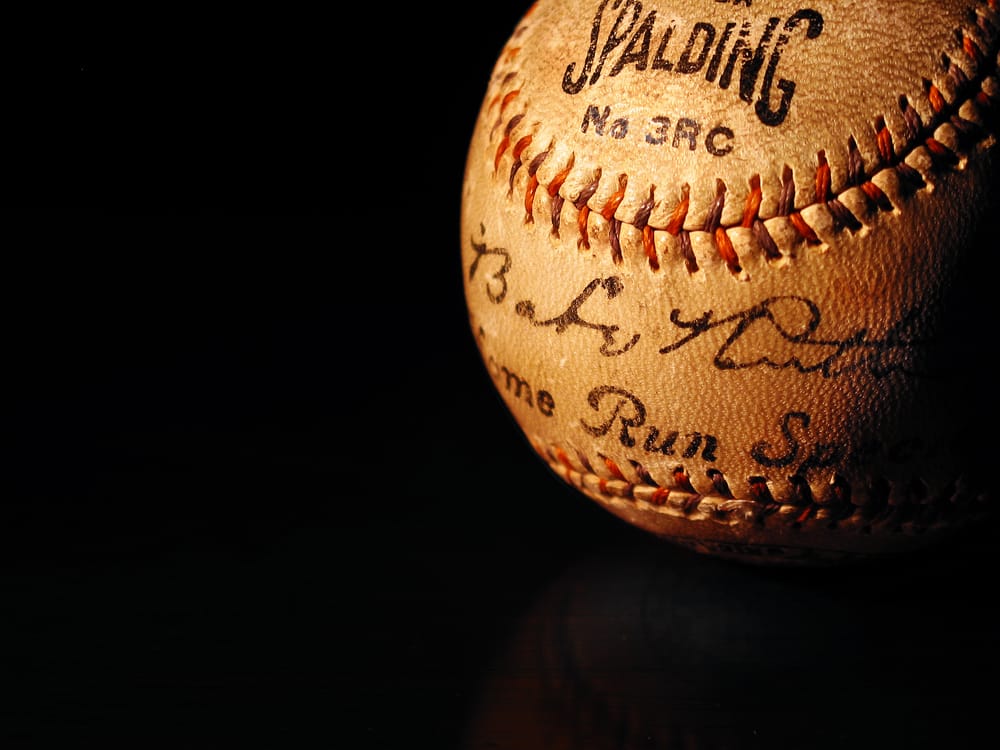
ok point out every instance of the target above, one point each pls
(721, 263)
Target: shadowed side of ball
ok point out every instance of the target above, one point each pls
(727, 265)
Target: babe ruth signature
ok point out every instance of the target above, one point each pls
(788, 323)
(612, 287)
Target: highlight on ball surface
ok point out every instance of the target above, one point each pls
(724, 263)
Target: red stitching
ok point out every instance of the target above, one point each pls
(677, 218)
(660, 496)
(557, 199)
(505, 141)
(608, 212)
(802, 227)
(752, 207)
(641, 222)
(519, 147)
(613, 468)
(683, 481)
(896, 507)
(724, 245)
(584, 209)
(823, 180)
(615, 200)
(891, 156)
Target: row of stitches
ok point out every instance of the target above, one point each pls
(969, 118)
(880, 505)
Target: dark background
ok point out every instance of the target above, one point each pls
(261, 491)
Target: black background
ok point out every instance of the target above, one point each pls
(262, 491)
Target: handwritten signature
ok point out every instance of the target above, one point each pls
(795, 321)
(779, 333)
(496, 282)
(612, 287)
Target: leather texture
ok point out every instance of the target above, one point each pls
(724, 263)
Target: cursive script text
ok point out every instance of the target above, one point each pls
(807, 353)
(612, 287)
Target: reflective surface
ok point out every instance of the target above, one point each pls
(224, 531)
(260, 491)
(638, 646)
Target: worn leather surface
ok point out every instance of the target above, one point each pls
(766, 285)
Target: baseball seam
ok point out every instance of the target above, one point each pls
(882, 507)
(944, 143)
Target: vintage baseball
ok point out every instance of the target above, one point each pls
(730, 265)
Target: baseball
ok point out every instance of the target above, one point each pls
(727, 265)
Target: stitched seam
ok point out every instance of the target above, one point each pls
(879, 507)
(969, 90)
